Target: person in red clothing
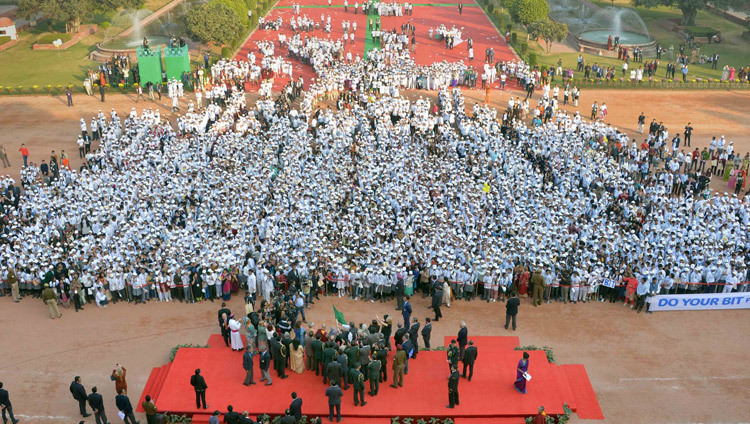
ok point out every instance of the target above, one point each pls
(25, 153)
(523, 282)
(631, 284)
(540, 417)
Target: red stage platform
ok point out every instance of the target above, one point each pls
(473, 21)
(424, 393)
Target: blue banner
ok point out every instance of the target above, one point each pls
(700, 302)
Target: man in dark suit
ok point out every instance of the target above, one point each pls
(6, 406)
(511, 310)
(398, 337)
(224, 314)
(470, 355)
(247, 365)
(437, 301)
(334, 394)
(200, 386)
(288, 418)
(427, 332)
(406, 311)
(408, 347)
(296, 407)
(231, 417)
(317, 347)
(453, 387)
(462, 339)
(123, 405)
(265, 363)
(343, 360)
(333, 372)
(414, 336)
(79, 394)
(97, 405)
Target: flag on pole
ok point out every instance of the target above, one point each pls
(339, 316)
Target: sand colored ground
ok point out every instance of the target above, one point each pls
(671, 367)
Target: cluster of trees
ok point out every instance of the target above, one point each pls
(224, 21)
(533, 14)
(73, 11)
(690, 8)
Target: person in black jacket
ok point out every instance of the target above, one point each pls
(200, 386)
(79, 394)
(462, 339)
(124, 406)
(470, 355)
(414, 336)
(296, 407)
(334, 395)
(511, 310)
(333, 372)
(453, 387)
(97, 405)
(288, 418)
(247, 365)
(6, 406)
(231, 417)
(437, 300)
(265, 363)
(427, 332)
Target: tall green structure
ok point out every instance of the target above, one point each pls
(177, 61)
(149, 64)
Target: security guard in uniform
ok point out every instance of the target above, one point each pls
(358, 382)
(373, 373)
(537, 283)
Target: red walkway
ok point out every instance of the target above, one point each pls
(424, 393)
(474, 22)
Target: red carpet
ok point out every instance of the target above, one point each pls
(424, 393)
(587, 406)
(474, 22)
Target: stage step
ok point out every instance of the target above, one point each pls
(504, 420)
(587, 406)
(160, 381)
(485, 343)
(562, 380)
(149, 385)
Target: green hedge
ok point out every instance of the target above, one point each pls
(700, 31)
(105, 25)
(532, 59)
(49, 38)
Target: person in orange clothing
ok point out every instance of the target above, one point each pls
(523, 282)
(487, 93)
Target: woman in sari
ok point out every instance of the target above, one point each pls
(226, 285)
(298, 357)
(523, 367)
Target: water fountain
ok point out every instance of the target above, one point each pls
(613, 21)
(590, 26)
(158, 30)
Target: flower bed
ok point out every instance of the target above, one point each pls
(662, 83)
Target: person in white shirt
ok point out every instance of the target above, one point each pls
(101, 298)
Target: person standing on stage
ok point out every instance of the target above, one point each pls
(295, 407)
(452, 354)
(357, 379)
(265, 363)
(373, 374)
(224, 314)
(334, 395)
(470, 355)
(462, 339)
(200, 386)
(235, 338)
(247, 365)
(522, 369)
(399, 364)
(453, 388)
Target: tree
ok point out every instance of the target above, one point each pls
(549, 31)
(72, 11)
(214, 21)
(527, 11)
(690, 8)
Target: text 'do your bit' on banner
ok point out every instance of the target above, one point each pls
(701, 302)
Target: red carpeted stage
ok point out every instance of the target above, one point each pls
(472, 21)
(490, 394)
